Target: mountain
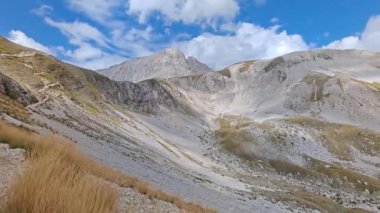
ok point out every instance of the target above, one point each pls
(166, 64)
(338, 86)
(300, 132)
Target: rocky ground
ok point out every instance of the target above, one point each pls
(11, 161)
(133, 201)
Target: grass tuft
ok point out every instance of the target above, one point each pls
(55, 179)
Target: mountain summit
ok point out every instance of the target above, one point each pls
(166, 64)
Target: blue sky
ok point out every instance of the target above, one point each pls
(99, 33)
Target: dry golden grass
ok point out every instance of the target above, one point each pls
(58, 178)
(54, 181)
(8, 47)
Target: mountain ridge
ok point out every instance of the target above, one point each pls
(166, 64)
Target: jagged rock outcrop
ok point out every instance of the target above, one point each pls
(13, 90)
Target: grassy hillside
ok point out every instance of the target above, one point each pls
(44, 76)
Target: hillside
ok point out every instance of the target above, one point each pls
(295, 133)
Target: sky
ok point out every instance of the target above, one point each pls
(96, 34)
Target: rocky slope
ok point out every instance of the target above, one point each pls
(295, 133)
(166, 64)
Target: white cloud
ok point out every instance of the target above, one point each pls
(84, 52)
(369, 39)
(274, 20)
(21, 38)
(137, 34)
(86, 55)
(134, 41)
(103, 61)
(90, 45)
(187, 11)
(260, 2)
(43, 10)
(249, 42)
(99, 10)
(79, 32)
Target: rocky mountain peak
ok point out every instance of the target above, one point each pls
(169, 63)
(173, 52)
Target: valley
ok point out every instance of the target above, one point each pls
(297, 133)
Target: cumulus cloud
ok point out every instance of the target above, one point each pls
(21, 38)
(79, 32)
(84, 52)
(85, 55)
(99, 10)
(186, 11)
(369, 39)
(91, 46)
(250, 41)
(135, 41)
(105, 60)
